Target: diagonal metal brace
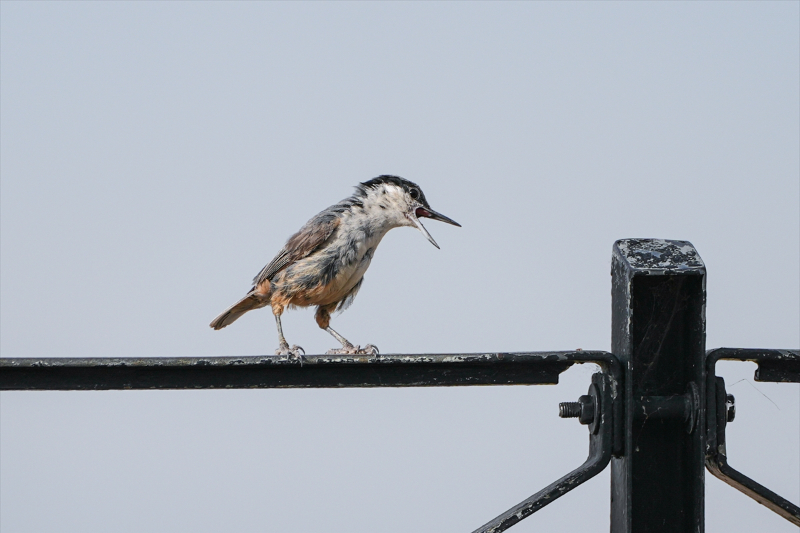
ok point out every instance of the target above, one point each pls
(773, 365)
(600, 451)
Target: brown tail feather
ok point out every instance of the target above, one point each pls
(230, 315)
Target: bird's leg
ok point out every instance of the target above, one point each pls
(345, 343)
(348, 348)
(323, 317)
(284, 349)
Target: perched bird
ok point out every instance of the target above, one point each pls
(323, 264)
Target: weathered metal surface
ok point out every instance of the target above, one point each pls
(658, 257)
(658, 334)
(777, 366)
(782, 365)
(600, 448)
(319, 371)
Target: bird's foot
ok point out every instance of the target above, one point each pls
(295, 351)
(349, 349)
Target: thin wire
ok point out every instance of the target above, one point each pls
(761, 393)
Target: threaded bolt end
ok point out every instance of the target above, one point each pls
(731, 405)
(569, 409)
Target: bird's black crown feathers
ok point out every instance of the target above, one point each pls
(408, 186)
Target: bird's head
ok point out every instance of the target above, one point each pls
(400, 202)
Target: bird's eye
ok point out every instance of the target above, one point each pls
(414, 194)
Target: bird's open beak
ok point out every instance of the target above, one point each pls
(429, 213)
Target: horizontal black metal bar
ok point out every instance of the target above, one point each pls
(314, 371)
(777, 366)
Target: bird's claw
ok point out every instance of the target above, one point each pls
(371, 349)
(294, 352)
(349, 349)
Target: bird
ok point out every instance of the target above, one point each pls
(323, 264)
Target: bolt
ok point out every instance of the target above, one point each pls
(569, 409)
(730, 403)
(583, 409)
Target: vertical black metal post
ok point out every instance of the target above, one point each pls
(658, 333)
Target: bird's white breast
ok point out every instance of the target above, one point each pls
(355, 242)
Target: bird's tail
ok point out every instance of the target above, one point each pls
(252, 301)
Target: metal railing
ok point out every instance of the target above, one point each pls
(658, 388)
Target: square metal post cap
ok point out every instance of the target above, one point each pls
(658, 257)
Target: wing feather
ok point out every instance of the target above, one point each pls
(302, 244)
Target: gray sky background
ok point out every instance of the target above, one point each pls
(156, 155)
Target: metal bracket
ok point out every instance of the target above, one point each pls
(773, 365)
(318, 371)
(601, 438)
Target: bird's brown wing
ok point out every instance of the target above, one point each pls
(303, 243)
